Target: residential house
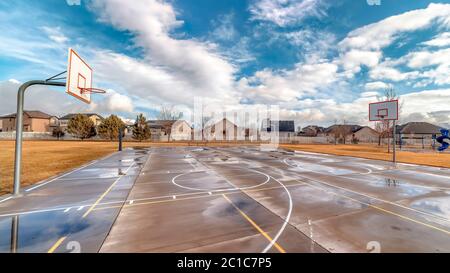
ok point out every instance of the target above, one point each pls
(221, 130)
(181, 130)
(64, 121)
(33, 121)
(338, 133)
(311, 131)
(417, 133)
(365, 134)
(286, 128)
(170, 130)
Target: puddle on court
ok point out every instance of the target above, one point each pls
(418, 175)
(401, 187)
(316, 196)
(220, 207)
(435, 205)
(308, 167)
(37, 232)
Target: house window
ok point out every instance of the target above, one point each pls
(180, 129)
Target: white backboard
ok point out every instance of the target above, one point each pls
(79, 75)
(384, 110)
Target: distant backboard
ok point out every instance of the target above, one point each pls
(384, 110)
(79, 77)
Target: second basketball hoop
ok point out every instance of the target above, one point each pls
(384, 110)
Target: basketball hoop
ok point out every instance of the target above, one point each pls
(92, 90)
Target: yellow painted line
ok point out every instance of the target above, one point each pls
(136, 203)
(260, 230)
(56, 245)
(383, 210)
(104, 194)
(100, 198)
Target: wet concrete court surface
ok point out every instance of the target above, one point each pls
(56, 215)
(234, 199)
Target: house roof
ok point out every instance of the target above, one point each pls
(286, 126)
(363, 127)
(316, 128)
(418, 128)
(213, 123)
(283, 126)
(347, 127)
(31, 114)
(69, 116)
(159, 124)
(163, 124)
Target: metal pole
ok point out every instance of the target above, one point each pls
(393, 148)
(14, 233)
(19, 128)
(120, 139)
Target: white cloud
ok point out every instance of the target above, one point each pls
(436, 63)
(271, 87)
(384, 72)
(287, 12)
(112, 102)
(427, 103)
(173, 69)
(353, 59)
(363, 46)
(224, 29)
(151, 83)
(422, 59)
(381, 34)
(441, 40)
(55, 34)
(377, 85)
(369, 94)
(314, 45)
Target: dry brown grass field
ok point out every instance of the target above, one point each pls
(429, 158)
(44, 159)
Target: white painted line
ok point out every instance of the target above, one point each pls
(67, 210)
(80, 208)
(234, 187)
(286, 219)
(6, 199)
(31, 212)
(66, 174)
(88, 178)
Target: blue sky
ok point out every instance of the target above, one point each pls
(320, 61)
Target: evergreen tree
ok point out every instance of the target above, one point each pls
(81, 126)
(141, 130)
(110, 127)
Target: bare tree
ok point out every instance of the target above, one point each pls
(385, 128)
(169, 114)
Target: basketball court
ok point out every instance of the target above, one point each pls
(187, 199)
